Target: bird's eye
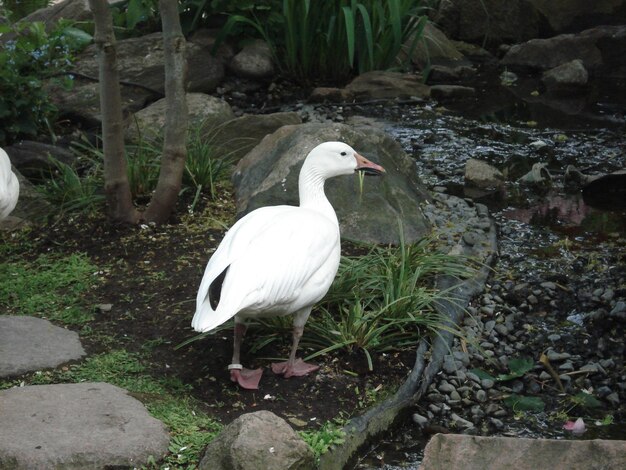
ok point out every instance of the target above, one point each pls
(343, 154)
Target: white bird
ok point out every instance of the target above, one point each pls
(9, 186)
(279, 260)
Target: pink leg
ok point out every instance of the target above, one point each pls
(294, 367)
(246, 378)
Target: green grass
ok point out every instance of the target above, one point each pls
(379, 302)
(50, 286)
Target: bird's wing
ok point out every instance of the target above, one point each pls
(274, 260)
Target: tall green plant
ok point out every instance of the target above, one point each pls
(332, 39)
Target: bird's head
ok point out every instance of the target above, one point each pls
(337, 158)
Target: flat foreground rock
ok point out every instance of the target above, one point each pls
(456, 451)
(72, 426)
(28, 344)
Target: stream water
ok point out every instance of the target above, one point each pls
(533, 220)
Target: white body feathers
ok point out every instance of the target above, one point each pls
(9, 186)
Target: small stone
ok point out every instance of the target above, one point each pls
(502, 329)
(555, 356)
(446, 387)
(489, 326)
(473, 377)
(544, 376)
(420, 420)
(532, 299)
(481, 396)
(454, 396)
(554, 337)
(460, 422)
(613, 399)
(104, 307)
(487, 383)
(608, 295)
(548, 285)
(566, 366)
(517, 386)
(498, 424)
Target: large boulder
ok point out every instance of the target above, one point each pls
(255, 441)
(32, 158)
(566, 78)
(142, 76)
(487, 21)
(235, 138)
(494, 22)
(268, 175)
(253, 61)
(72, 426)
(576, 15)
(596, 48)
(203, 110)
(433, 47)
(462, 452)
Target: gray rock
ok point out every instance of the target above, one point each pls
(613, 399)
(141, 68)
(482, 175)
(467, 20)
(594, 47)
(419, 419)
(235, 138)
(386, 85)
(481, 396)
(451, 92)
(446, 387)
(86, 425)
(28, 344)
(487, 383)
(461, 422)
(258, 440)
(555, 356)
(566, 77)
(456, 451)
(253, 61)
(433, 45)
(268, 175)
(31, 158)
(204, 110)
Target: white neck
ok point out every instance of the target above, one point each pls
(311, 189)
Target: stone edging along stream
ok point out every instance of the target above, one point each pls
(480, 246)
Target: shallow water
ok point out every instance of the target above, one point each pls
(541, 227)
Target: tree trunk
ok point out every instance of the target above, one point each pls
(174, 150)
(116, 187)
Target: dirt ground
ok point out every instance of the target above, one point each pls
(151, 276)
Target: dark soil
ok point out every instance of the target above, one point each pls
(151, 276)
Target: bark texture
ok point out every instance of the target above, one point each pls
(119, 200)
(176, 121)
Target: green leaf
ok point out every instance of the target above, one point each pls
(78, 36)
(482, 374)
(524, 403)
(518, 367)
(586, 400)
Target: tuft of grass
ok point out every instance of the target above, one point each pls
(49, 286)
(379, 302)
(68, 191)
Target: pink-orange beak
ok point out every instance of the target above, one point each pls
(367, 167)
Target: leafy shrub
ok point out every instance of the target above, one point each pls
(26, 61)
(135, 17)
(330, 40)
(18, 9)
